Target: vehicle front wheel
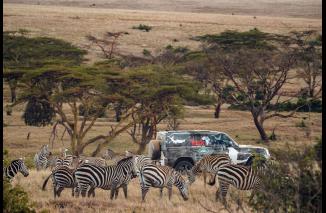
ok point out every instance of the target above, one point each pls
(183, 165)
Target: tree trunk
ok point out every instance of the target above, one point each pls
(141, 148)
(260, 128)
(118, 114)
(217, 110)
(311, 92)
(12, 86)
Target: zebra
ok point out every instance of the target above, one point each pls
(89, 176)
(208, 164)
(62, 177)
(115, 157)
(93, 160)
(15, 167)
(162, 176)
(242, 177)
(41, 158)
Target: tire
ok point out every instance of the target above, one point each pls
(154, 149)
(183, 165)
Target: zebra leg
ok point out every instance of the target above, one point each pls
(253, 192)
(83, 190)
(90, 191)
(73, 192)
(125, 190)
(224, 187)
(170, 192)
(144, 190)
(54, 191)
(116, 193)
(161, 193)
(59, 191)
(76, 191)
(113, 189)
(204, 174)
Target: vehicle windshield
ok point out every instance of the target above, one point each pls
(200, 138)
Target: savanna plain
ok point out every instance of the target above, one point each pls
(73, 22)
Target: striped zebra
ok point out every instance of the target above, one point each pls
(64, 161)
(242, 177)
(41, 158)
(15, 167)
(159, 177)
(208, 164)
(62, 177)
(93, 160)
(115, 157)
(89, 176)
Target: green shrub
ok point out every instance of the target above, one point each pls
(142, 27)
(15, 199)
(292, 184)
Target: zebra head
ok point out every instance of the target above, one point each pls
(191, 174)
(45, 150)
(182, 185)
(22, 168)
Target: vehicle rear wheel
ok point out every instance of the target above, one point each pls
(154, 149)
(183, 165)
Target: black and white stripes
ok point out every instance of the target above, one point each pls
(161, 176)
(15, 167)
(62, 177)
(89, 176)
(239, 176)
(41, 158)
(208, 164)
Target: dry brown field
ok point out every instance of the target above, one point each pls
(74, 23)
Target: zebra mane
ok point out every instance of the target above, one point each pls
(124, 160)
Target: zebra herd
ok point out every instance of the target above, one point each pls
(86, 175)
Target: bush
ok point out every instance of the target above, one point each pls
(38, 112)
(15, 199)
(142, 27)
(293, 184)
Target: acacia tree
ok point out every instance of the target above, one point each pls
(64, 89)
(309, 53)
(159, 94)
(212, 79)
(257, 65)
(22, 54)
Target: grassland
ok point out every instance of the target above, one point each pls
(73, 24)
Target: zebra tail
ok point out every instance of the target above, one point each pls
(45, 182)
(212, 182)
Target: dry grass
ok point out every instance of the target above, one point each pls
(61, 22)
(291, 8)
(101, 203)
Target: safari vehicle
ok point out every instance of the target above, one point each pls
(182, 149)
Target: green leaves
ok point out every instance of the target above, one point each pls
(254, 39)
(38, 112)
